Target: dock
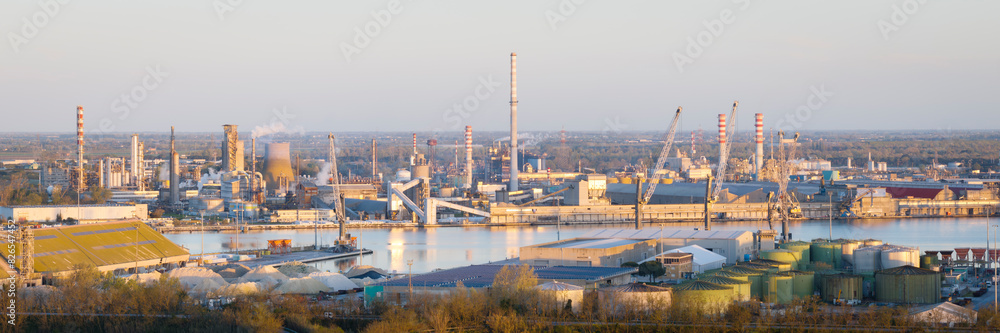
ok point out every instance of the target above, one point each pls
(276, 260)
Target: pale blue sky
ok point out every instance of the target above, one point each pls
(608, 66)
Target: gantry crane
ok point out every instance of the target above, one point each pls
(654, 179)
(720, 171)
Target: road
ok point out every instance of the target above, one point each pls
(984, 301)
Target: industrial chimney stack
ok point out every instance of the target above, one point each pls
(758, 158)
(513, 122)
(79, 148)
(175, 196)
(468, 156)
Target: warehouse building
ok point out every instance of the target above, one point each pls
(82, 213)
(701, 259)
(734, 245)
(608, 252)
(110, 246)
(482, 276)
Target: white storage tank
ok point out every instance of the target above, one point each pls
(899, 256)
(871, 242)
(867, 259)
(847, 249)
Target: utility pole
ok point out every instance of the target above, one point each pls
(638, 202)
(708, 203)
(410, 276)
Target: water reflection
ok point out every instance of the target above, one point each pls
(434, 248)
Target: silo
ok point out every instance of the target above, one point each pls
(848, 246)
(634, 295)
(900, 256)
(781, 265)
(871, 242)
(756, 278)
(562, 293)
(867, 259)
(846, 287)
(741, 287)
(710, 297)
(792, 258)
(928, 261)
(803, 283)
(731, 275)
(908, 284)
(828, 253)
(759, 266)
(779, 288)
(802, 248)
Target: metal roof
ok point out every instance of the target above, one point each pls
(480, 276)
(655, 233)
(636, 288)
(700, 285)
(600, 243)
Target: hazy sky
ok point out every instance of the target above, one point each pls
(583, 65)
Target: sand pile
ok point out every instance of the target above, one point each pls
(335, 281)
(296, 269)
(305, 285)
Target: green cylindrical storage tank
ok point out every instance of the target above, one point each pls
(907, 284)
(828, 253)
(732, 275)
(928, 261)
(710, 297)
(756, 278)
(779, 288)
(802, 248)
(740, 287)
(792, 258)
(841, 286)
(759, 266)
(803, 284)
(781, 265)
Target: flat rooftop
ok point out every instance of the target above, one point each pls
(656, 233)
(481, 276)
(603, 243)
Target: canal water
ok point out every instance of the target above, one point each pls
(426, 249)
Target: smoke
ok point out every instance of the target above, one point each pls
(275, 127)
(527, 139)
(324, 174)
(210, 177)
(165, 171)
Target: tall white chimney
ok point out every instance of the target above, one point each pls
(513, 122)
(468, 156)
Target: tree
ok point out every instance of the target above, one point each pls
(653, 269)
(99, 195)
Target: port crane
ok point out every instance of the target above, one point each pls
(654, 179)
(785, 205)
(847, 207)
(720, 171)
(338, 199)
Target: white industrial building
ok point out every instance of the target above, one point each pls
(733, 245)
(704, 260)
(82, 213)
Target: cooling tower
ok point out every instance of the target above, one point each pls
(277, 166)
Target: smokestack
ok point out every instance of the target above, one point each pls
(722, 129)
(468, 156)
(175, 196)
(253, 169)
(693, 151)
(413, 157)
(79, 148)
(232, 150)
(759, 138)
(141, 168)
(513, 122)
(134, 160)
(100, 173)
(374, 159)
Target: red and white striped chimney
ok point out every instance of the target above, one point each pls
(79, 147)
(759, 139)
(722, 128)
(414, 144)
(468, 156)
